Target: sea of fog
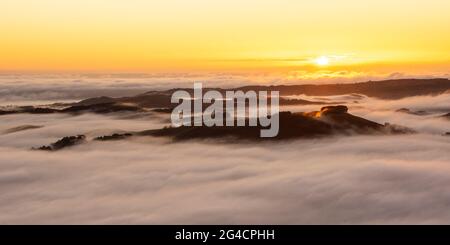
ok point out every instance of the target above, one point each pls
(339, 180)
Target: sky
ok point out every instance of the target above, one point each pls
(224, 35)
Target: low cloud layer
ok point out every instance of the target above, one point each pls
(341, 180)
(355, 180)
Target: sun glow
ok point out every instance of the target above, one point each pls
(322, 61)
(200, 35)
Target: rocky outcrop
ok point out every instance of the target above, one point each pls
(342, 121)
(340, 109)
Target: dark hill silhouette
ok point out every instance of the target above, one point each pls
(100, 108)
(113, 137)
(63, 143)
(388, 89)
(330, 120)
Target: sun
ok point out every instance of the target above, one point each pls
(322, 61)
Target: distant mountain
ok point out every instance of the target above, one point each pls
(387, 89)
(161, 100)
(100, 108)
(102, 105)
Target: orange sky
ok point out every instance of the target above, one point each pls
(181, 35)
